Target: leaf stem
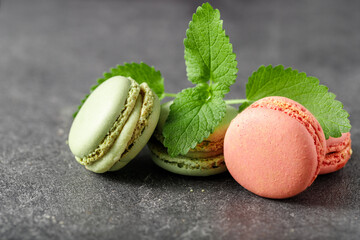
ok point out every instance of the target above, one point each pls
(170, 95)
(236, 101)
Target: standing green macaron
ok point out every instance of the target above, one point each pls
(114, 124)
(204, 160)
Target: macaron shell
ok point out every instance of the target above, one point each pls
(120, 144)
(184, 165)
(338, 153)
(338, 144)
(298, 112)
(270, 153)
(143, 139)
(220, 130)
(97, 116)
(164, 113)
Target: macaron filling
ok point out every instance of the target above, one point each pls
(198, 158)
(338, 144)
(207, 148)
(144, 128)
(334, 158)
(115, 130)
(303, 116)
(146, 111)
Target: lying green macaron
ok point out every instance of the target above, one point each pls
(204, 160)
(114, 124)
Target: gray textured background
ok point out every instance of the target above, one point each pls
(51, 52)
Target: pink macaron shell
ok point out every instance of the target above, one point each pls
(270, 153)
(338, 153)
(337, 144)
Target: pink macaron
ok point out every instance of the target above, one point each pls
(338, 152)
(274, 148)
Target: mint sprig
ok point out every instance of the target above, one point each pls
(211, 64)
(306, 90)
(140, 72)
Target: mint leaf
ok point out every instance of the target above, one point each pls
(208, 52)
(140, 72)
(193, 117)
(277, 81)
(211, 64)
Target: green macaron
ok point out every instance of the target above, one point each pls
(204, 160)
(114, 124)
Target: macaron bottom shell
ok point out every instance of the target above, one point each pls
(184, 165)
(143, 139)
(338, 153)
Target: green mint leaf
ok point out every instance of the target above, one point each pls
(140, 72)
(211, 64)
(277, 81)
(193, 117)
(208, 52)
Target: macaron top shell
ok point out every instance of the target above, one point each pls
(274, 148)
(106, 137)
(220, 130)
(113, 155)
(270, 154)
(97, 115)
(298, 112)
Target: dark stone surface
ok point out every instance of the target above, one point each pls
(51, 52)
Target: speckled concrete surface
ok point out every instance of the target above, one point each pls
(51, 52)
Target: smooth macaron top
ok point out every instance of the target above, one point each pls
(97, 116)
(274, 148)
(297, 111)
(101, 118)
